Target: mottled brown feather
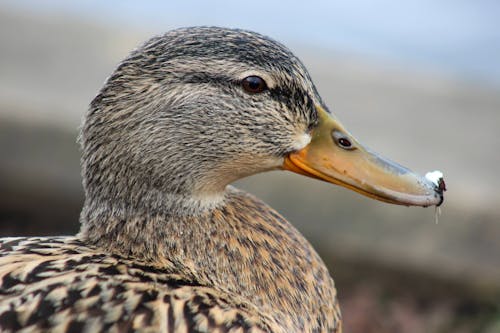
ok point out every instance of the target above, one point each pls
(165, 244)
(60, 284)
(265, 277)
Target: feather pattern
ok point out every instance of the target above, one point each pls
(165, 244)
(60, 284)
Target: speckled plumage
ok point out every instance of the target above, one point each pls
(165, 243)
(110, 291)
(84, 289)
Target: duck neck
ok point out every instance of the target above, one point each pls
(239, 246)
(129, 226)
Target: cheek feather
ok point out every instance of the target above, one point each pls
(301, 140)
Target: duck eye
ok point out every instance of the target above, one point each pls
(254, 84)
(342, 141)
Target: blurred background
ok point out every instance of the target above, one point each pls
(417, 81)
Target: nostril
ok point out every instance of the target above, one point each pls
(342, 140)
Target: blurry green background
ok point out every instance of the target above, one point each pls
(417, 81)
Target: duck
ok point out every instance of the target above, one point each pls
(166, 243)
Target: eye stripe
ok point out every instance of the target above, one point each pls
(292, 96)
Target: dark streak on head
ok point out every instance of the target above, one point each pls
(173, 119)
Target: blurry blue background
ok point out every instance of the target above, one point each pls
(455, 36)
(418, 81)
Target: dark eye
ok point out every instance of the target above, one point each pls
(254, 84)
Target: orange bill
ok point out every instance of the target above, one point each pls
(333, 155)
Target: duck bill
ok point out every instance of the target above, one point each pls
(333, 155)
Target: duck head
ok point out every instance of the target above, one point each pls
(193, 110)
